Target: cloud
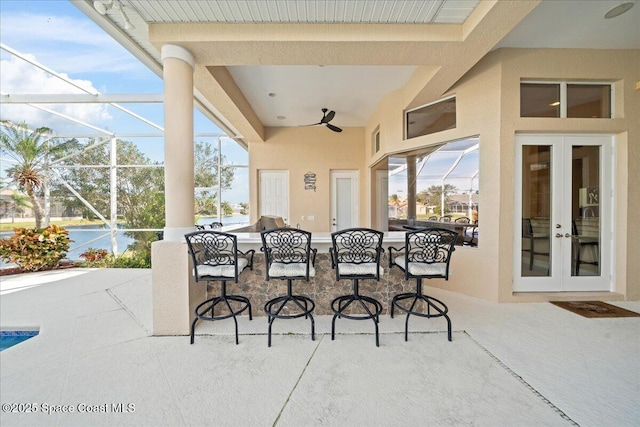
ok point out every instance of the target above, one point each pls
(20, 77)
(86, 48)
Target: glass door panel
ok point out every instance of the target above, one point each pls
(585, 211)
(536, 210)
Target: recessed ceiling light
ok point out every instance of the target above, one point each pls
(618, 10)
(281, 117)
(272, 94)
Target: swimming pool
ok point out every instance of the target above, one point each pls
(11, 338)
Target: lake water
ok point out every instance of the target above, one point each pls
(97, 237)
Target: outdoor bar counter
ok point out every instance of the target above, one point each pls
(175, 294)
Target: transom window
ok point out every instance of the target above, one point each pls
(565, 100)
(432, 118)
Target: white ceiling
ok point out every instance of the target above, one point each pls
(578, 25)
(308, 11)
(301, 91)
(354, 91)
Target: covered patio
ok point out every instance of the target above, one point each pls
(508, 364)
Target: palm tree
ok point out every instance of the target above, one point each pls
(19, 201)
(30, 150)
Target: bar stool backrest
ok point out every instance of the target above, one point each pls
(357, 246)
(286, 245)
(214, 255)
(431, 247)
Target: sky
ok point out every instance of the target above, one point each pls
(60, 37)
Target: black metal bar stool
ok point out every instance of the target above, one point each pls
(215, 258)
(427, 253)
(355, 255)
(289, 256)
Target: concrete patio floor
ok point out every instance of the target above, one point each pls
(523, 364)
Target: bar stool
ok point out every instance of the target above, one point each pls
(427, 253)
(215, 258)
(355, 255)
(288, 256)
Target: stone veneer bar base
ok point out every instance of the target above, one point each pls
(322, 289)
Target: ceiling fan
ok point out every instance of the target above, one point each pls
(327, 116)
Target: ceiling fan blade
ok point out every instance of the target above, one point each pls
(314, 124)
(333, 128)
(330, 115)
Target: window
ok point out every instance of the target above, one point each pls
(572, 100)
(436, 185)
(539, 100)
(431, 118)
(589, 100)
(375, 140)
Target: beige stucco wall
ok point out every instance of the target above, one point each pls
(619, 67)
(487, 105)
(468, 264)
(300, 150)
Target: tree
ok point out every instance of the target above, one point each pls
(206, 178)
(140, 190)
(432, 196)
(31, 150)
(227, 210)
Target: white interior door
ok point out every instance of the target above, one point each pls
(563, 231)
(344, 200)
(274, 193)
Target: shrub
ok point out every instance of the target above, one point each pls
(95, 258)
(132, 260)
(35, 249)
(100, 258)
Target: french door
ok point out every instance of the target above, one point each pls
(563, 210)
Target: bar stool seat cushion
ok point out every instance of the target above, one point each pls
(222, 270)
(281, 269)
(366, 268)
(423, 269)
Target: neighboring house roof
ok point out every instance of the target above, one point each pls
(463, 198)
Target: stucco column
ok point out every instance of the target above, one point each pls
(178, 66)
(174, 296)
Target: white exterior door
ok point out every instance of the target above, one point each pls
(563, 210)
(274, 193)
(344, 200)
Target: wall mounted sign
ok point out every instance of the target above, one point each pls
(310, 181)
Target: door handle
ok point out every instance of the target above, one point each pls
(561, 235)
